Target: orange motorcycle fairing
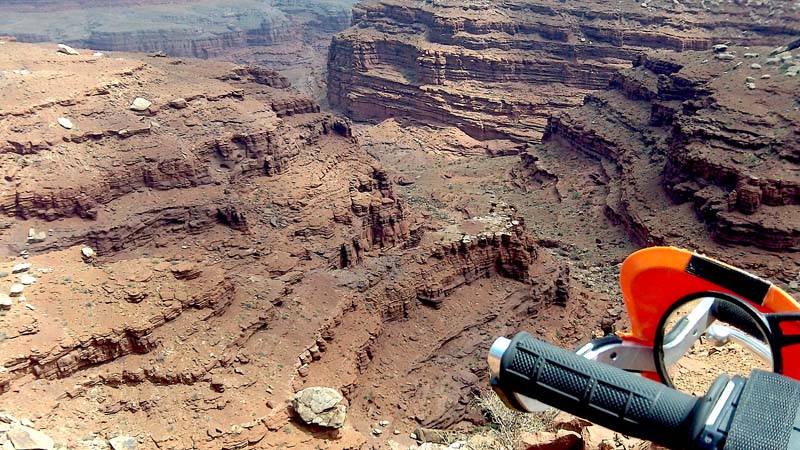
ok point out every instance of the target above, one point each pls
(653, 279)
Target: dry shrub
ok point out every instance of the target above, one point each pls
(508, 425)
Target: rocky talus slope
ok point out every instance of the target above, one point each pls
(243, 247)
(697, 135)
(498, 69)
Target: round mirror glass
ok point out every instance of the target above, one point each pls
(709, 336)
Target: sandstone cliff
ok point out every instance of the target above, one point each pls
(287, 35)
(498, 69)
(243, 246)
(201, 29)
(716, 132)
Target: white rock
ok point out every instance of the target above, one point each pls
(16, 290)
(67, 50)
(123, 443)
(751, 55)
(29, 306)
(140, 104)
(98, 54)
(321, 406)
(27, 280)
(5, 301)
(383, 423)
(750, 85)
(36, 236)
(377, 432)
(64, 122)
(755, 66)
(719, 48)
(19, 268)
(766, 76)
(25, 438)
(87, 253)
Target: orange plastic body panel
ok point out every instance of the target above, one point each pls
(653, 279)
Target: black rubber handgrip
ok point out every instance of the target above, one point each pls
(733, 314)
(768, 414)
(613, 398)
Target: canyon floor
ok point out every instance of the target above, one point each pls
(248, 246)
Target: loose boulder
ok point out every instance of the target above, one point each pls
(87, 254)
(19, 268)
(320, 406)
(140, 104)
(64, 122)
(67, 50)
(16, 289)
(24, 438)
(5, 302)
(122, 443)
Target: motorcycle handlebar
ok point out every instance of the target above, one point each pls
(603, 394)
(736, 414)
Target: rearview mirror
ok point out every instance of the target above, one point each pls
(702, 337)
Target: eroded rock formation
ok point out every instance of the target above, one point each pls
(498, 69)
(198, 253)
(719, 135)
(289, 35)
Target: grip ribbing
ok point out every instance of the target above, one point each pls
(608, 396)
(768, 414)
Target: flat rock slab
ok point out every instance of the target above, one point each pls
(67, 50)
(123, 443)
(66, 123)
(24, 438)
(19, 268)
(16, 290)
(5, 301)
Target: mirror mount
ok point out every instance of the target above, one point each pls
(747, 325)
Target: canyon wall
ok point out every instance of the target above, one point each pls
(498, 69)
(291, 36)
(198, 242)
(714, 132)
(202, 29)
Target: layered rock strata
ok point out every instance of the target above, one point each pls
(208, 193)
(718, 135)
(287, 35)
(203, 243)
(498, 69)
(200, 29)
